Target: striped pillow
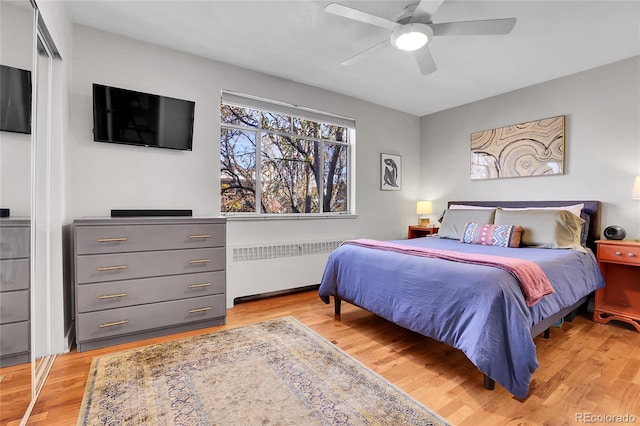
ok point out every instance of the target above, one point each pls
(492, 235)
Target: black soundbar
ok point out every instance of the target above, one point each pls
(150, 213)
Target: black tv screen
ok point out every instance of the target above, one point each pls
(15, 100)
(135, 118)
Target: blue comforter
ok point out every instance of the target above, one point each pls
(477, 309)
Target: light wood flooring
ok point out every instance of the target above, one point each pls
(586, 369)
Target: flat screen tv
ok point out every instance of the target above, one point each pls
(15, 100)
(135, 118)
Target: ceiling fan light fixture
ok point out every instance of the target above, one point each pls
(411, 37)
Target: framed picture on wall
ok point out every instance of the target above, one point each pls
(390, 172)
(534, 148)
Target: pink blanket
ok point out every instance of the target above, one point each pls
(533, 282)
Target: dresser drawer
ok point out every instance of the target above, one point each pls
(14, 338)
(14, 274)
(14, 306)
(125, 266)
(14, 242)
(122, 321)
(132, 238)
(629, 254)
(119, 294)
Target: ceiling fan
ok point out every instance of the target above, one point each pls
(413, 29)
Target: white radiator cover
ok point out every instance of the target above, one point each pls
(290, 249)
(265, 267)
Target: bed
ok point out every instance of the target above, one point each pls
(477, 308)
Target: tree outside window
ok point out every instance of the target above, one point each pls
(273, 163)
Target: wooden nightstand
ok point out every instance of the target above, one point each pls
(421, 231)
(619, 263)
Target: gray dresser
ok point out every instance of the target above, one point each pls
(137, 278)
(15, 330)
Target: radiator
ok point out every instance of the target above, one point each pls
(285, 249)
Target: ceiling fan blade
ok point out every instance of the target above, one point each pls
(485, 27)
(366, 53)
(367, 18)
(425, 10)
(425, 61)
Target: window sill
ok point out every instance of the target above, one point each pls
(252, 217)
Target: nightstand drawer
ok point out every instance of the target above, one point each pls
(131, 238)
(421, 231)
(619, 253)
(121, 321)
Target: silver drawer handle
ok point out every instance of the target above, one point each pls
(112, 268)
(199, 285)
(195, 237)
(194, 311)
(111, 324)
(191, 262)
(112, 296)
(618, 253)
(112, 240)
(630, 254)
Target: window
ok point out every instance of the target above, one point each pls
(281, 159)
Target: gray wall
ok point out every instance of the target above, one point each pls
(602, 150)
(101, 176)
(16, 50)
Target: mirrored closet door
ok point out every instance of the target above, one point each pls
(41, 210)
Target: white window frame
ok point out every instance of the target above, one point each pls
(256, 103)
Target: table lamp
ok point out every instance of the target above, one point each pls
(424, 208)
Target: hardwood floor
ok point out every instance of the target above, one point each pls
(586, 369)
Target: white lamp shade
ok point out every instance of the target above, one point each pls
(635, 194)
(424, 207)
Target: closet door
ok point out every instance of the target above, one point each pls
(41, 208)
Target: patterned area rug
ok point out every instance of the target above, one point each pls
(277, 372)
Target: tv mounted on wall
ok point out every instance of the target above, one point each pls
(15, 100)
(135, 118)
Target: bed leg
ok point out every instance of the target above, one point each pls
(336, 303)
(571, 316)
(546, 334)
(489, 383)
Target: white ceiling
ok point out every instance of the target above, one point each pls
(298, 41)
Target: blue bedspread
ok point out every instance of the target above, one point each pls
(477, 309)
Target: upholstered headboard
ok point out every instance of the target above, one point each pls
(590, 212)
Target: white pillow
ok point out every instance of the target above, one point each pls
(465, 207)
(576, 209)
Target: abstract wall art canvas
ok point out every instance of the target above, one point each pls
(390, 172)
(534, 148)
